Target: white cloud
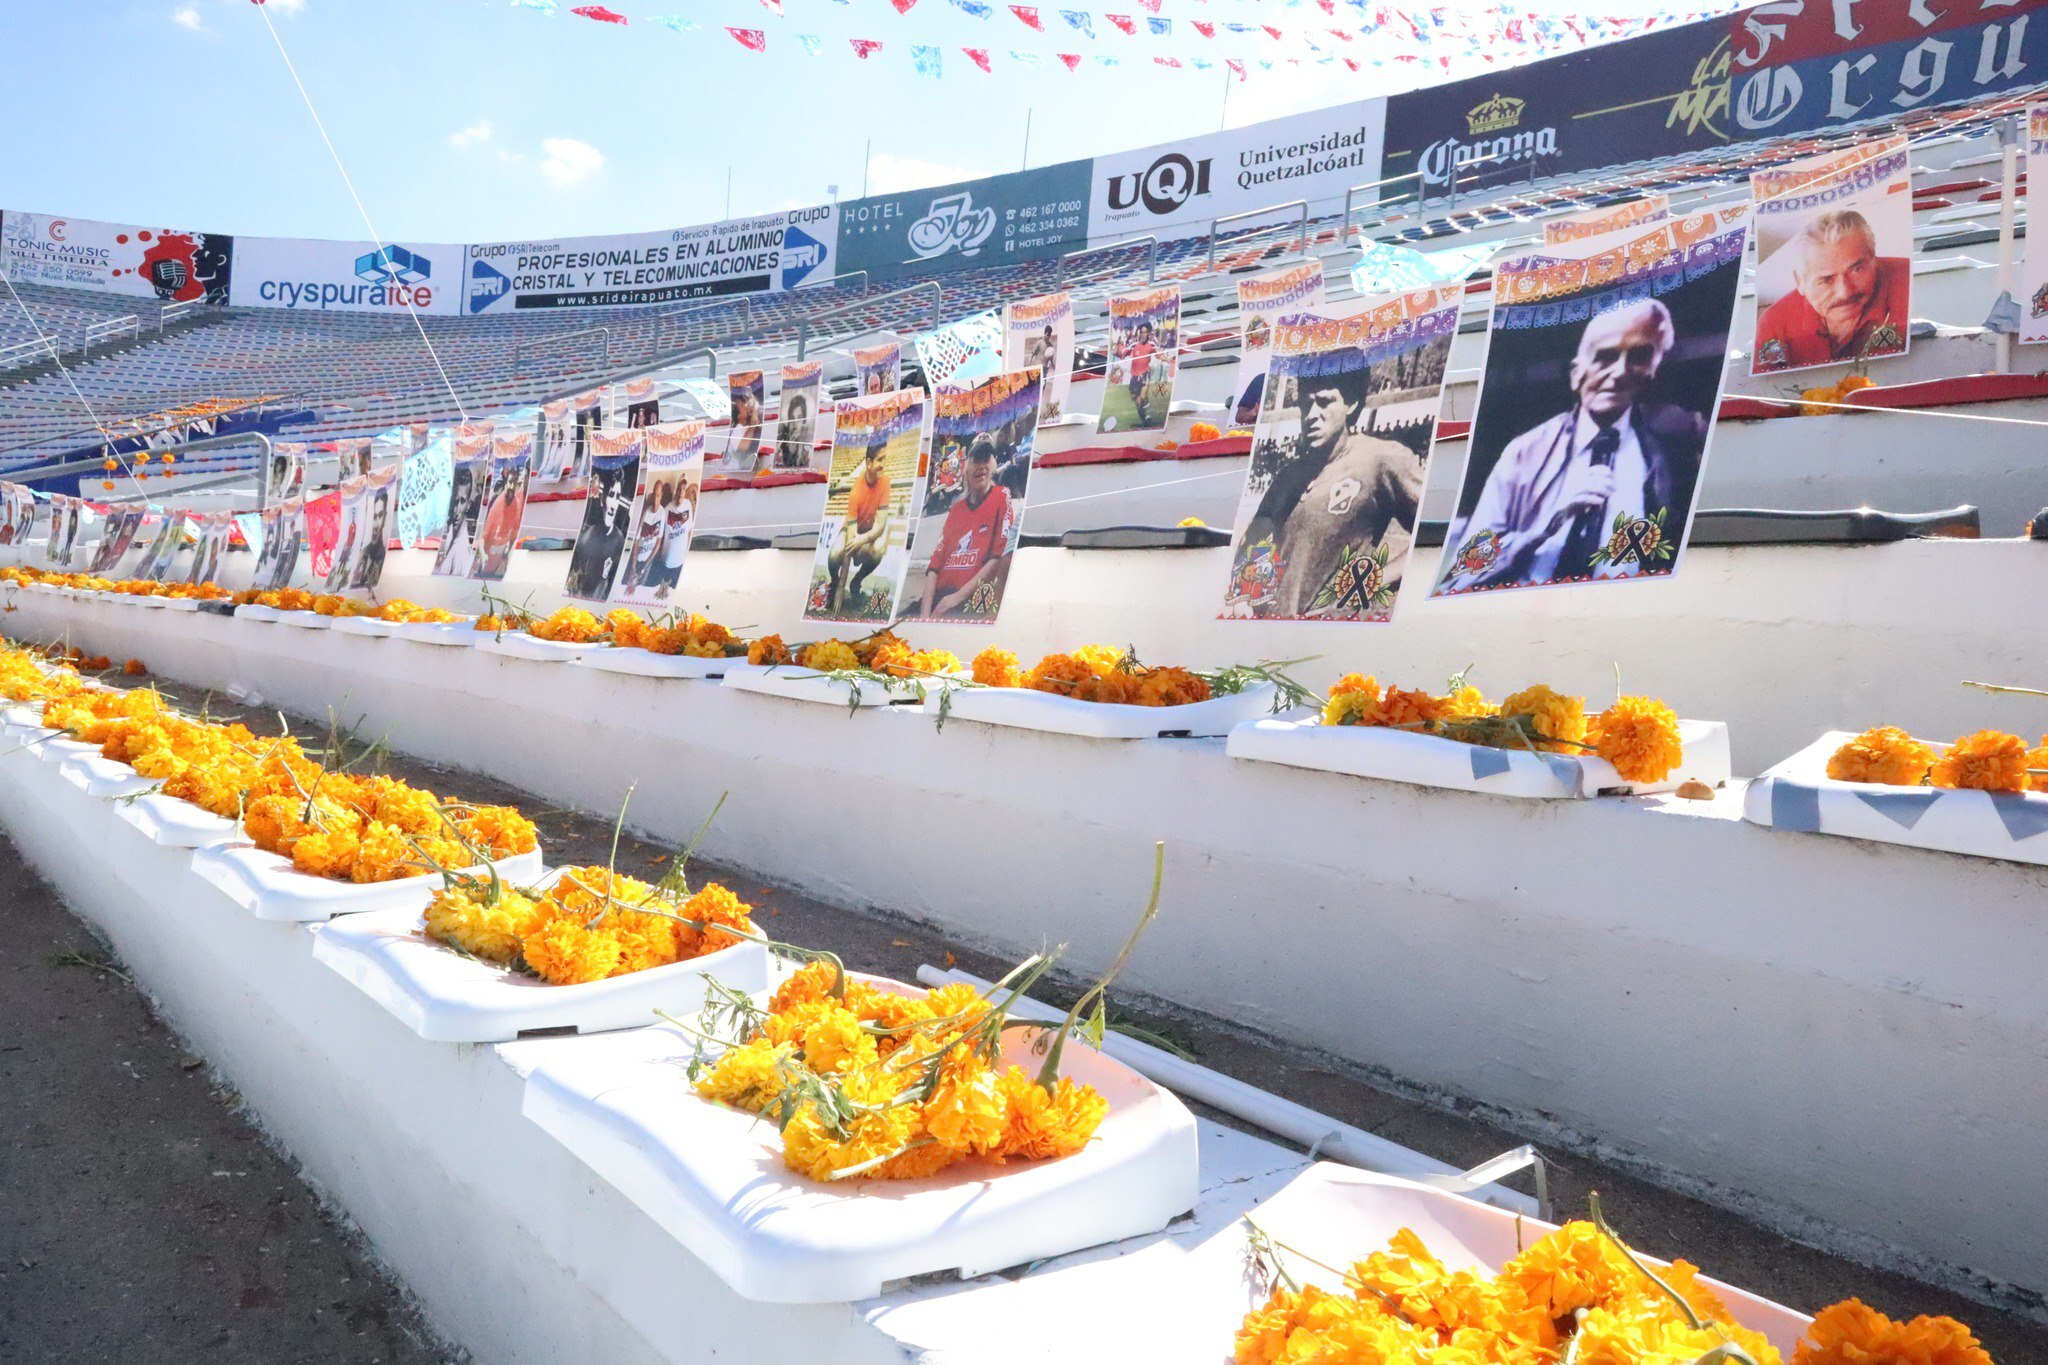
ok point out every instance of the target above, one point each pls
(569, 161)
(186, 16)
(288, 6)
(480, 131)
(888, 174)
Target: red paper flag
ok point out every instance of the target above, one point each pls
(1236, 67)
(599, 13)
(1070, 60)
(1271, 32)
(752, 39)
(1352, 63)
(773, 7)
(1152, 5)
(1123, 22)
(1029, 14)
(1342, 35)
(1205, 27)
(1328, 7)
(903, 6)
(864, 48)
(1173, 62)
(323, 531)
(979, 56)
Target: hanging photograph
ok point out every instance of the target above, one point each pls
(556, 438)
(65, 515)
(863, 545)
(1583, 227)
(1261, 301)
(796, 423)
(504, 504)
(1144, 352)
(470, 462)
(601, 541)
(214, 531)
(341, 566)
(1834, 258)
(2034, 262)
(638, 398)
(115, 540)
(352, 459)
(380, 504)
(285, 476)
(878, 369)
(284, 536)
(972, 509)
(12, 525)
(664, 514)
(1340, 453)
(166, 539)
(588, 418)
(1038, 334)
(1603, 374)
(747, 392)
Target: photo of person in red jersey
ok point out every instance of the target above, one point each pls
(971, 513)
(974, 540)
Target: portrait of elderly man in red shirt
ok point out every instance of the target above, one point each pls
(1549, 505)
(1846, 303)
(973, 546)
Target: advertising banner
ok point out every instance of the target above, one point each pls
(1144, 353)
(878, 369)
(971, 512)
(748, 396)
(1580, 227)
(772, 252)
(864, 542)
(1261, 301)
(470, 462)
(1177, 189)
(304, 275)
(172, 266)
(798, 405)
(1001, 218)
(2034, 270)
(1795, 67)
(601, 543)
(504, 503)
(664, 514)
(1655, 95)
(1038, 334)
(1603, 374)
(1834, 258)
(1339, 457)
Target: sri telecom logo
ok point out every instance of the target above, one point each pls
(487, 285)
(393, 263)
(801, 254)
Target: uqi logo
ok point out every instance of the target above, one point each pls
(952, 224)
(1163, 187)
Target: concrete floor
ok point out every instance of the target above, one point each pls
(120, 1239)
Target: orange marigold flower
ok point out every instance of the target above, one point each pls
(1411, 708)
(1205, 431)
(1042, 1124)
(1171, 686)
(1102, 658)
(716, 910)
(134, 668)
(563, 952)
(967, 1112)
(1558, 720)
(995, 667)
(2037, 759)
(1989, 760)
(769, 649)
(1852, 1333)
(828, 656)
(1885, 754)
(1058, 673)
(1639, 736)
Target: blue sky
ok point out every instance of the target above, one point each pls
(475, 120)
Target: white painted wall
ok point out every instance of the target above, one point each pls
(1794, 1025)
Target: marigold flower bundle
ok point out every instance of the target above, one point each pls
(129, 587)
(863, 1080)
(1100, 673)
(589, 924)
(692, 635)
(1989, 760)
(399, 611)
(885, 653)
(1638, 736)
(1576, 1294)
